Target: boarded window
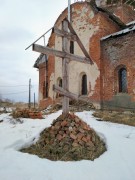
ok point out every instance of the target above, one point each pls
(123, 80)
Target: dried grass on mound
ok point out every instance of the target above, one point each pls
(68, 139)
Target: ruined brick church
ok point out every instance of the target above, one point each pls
(107, 30)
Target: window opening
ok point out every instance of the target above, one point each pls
(123, 80)
(84, 84)
(45, 90)
(60, 82)
(72, 47)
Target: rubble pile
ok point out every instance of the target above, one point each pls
(78, 106)
(68, 139)
(74, 106)
(27, 113)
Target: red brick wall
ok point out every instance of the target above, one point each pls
(106, 27)
(41, 80)
(44, 102)
(124, 12)
(118, 52)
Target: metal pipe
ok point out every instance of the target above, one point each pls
(69, 3)
(38, 39)
(44, 40)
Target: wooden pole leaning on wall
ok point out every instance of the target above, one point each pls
(65, 69)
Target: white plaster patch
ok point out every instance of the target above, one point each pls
(85, 31)
(58, 43)
(83, 11)
(101, 2)
(75, 70)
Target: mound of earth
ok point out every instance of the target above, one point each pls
(68, 139)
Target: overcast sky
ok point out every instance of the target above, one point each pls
(21, 23)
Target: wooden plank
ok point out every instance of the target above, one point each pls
(64, 92)
(79, 42)
(65, 69)
(61, 54)
(62, 33)
(68, 94)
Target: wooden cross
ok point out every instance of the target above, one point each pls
(66, 58)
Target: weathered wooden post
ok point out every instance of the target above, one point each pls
(65, 68)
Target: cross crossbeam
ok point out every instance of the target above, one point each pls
(66, 58)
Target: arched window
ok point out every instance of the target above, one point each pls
(122, 80)
(84, 84)
(59, 83)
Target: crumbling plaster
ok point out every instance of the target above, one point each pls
(80, 22)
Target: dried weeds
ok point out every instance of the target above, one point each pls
(126, 117)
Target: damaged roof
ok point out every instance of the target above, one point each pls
(130, 27)
(41, 59)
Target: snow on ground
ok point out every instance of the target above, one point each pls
(117, 163)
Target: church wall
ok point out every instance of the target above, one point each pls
(118, 52)
(90, 26)
(81, 17)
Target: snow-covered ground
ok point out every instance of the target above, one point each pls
(117, 163)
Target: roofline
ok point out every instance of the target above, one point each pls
(119, 33)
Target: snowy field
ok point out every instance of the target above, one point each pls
(117, 163)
